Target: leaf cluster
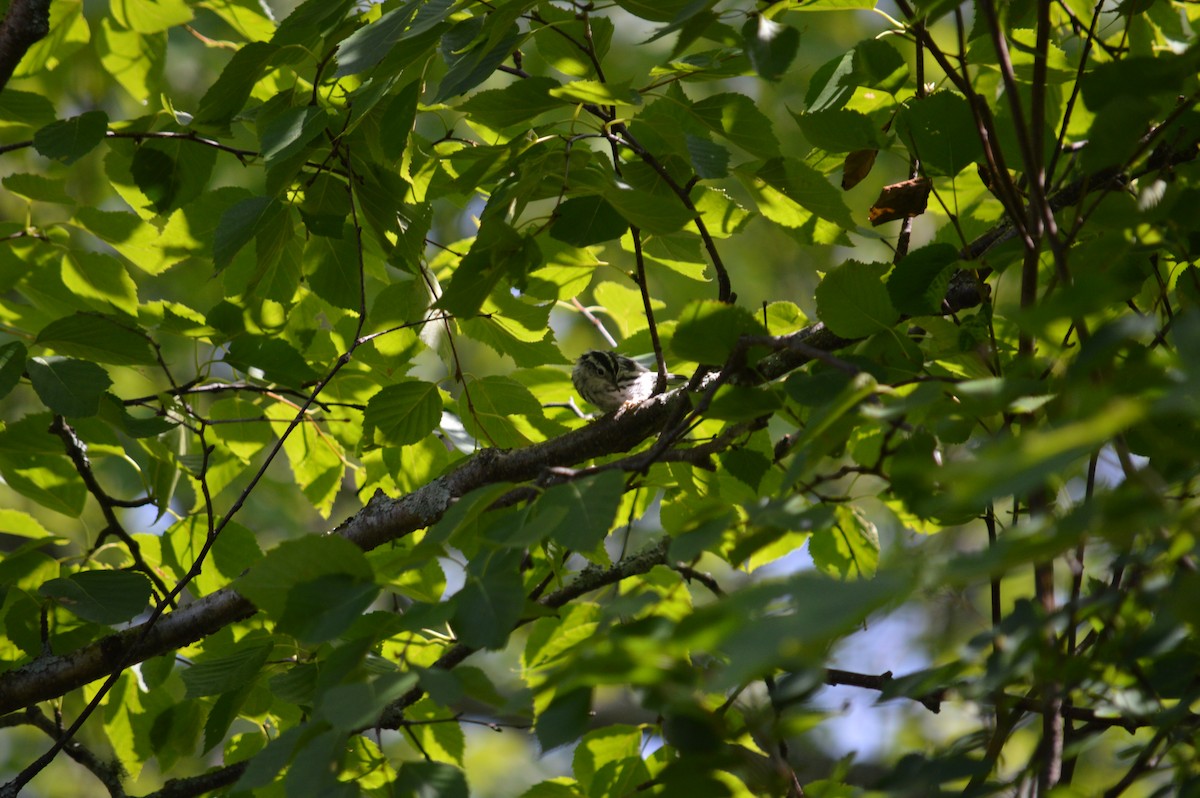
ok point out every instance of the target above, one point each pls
(297, 492)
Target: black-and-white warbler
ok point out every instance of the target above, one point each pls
(611, 381)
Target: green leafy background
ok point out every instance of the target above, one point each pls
(323, 269)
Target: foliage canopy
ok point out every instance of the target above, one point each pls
(296, 495)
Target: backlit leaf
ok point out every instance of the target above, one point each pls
(68, 387)
(107, 597)
(853, 301)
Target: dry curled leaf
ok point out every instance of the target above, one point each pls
(900, 200)
(856, 167)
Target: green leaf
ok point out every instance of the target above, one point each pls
(326, 207)
(102, 279)
(229, 93)
(490, 602)
(403, 413)
(240, 224)
(821, 609)
(352, 706)
(171, 173)
(308, 21)
(107, 597)
(807, 187)
(608, 761)
(25, 108)
(317, 460)
(832, 5)
(12, 366)
(499, 252)
(224, 712)
(565, 718)
(398, 119)
(265, 766)
(151, 249)
(367, 46)
(287, 135)
(68, 140)
(492, 403)
(918, 283)
(597, 93)
(32, 463)
(49, 481)
(474, 64)
(276, 358)
(771, 46)
(98, 338)
(709, 330)
(557, 40)
(37, 187)
(1014, 466)
(235, 551)
(15, 522)
(873, 63)
(940, 130)
(711, 161)
(737, 118)
(680, 252)
(739, 403)
(1116, 132)
(583, 221)
(695, 527)
(136, 61)
(229, 672)
(1138, 76)
(578, 515)
(114, 412)
(464, 518)
(552, 639)
(420, 779)
(655, 10)
(331, 265)
(68, 387)
(299, 562)
(849, 549)
(840, 130)
(654, 209)
(515, 104)
(150, 16)
(324, 608)
(723, 215)
(853, 302)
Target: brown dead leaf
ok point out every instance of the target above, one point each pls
(856, 167)
(900, 200)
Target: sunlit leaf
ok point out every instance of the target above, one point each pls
(404, 413)
(770, 45)
(853, 301)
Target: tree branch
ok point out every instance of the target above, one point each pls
(26, 23)
(109, 773)
(589, 579)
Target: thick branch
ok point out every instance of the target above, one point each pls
(383, 519)
(26, 23)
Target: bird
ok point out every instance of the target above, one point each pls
(611, 381)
